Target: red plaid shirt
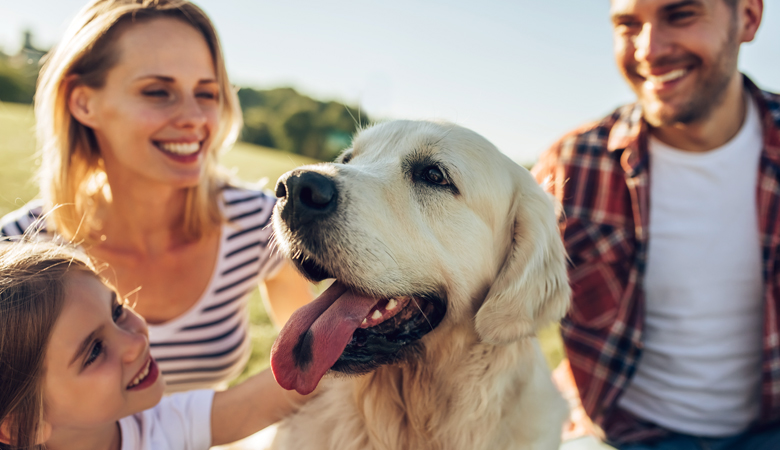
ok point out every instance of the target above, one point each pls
(600, 175)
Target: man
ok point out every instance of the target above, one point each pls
(671, 217)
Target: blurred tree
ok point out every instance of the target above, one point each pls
(284, 119)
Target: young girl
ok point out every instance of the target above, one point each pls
(76, 370)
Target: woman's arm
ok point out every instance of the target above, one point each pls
(284, 293)
(251, 406)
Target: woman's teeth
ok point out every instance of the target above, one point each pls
(180, 148)
(141, 376)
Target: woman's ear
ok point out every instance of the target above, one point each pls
(44, 432)
(81, 103)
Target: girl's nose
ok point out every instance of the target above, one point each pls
(135, 337)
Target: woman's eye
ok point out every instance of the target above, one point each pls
(118, 311)
(97, 349)
(158, 93)
(207, 95)
(434, 175)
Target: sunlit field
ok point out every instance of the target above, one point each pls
(249, 163)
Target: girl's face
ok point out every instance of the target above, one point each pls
(156, 115)
(98, 365)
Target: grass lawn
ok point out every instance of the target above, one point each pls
(250, 163)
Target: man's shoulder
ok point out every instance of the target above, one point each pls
(772, 102)
(586, 141)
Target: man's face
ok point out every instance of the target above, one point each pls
(677, 55)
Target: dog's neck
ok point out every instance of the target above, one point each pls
(432, 400)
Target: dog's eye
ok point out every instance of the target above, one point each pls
(434, 175)
(345, 158)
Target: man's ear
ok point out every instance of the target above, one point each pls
(44, 432)
(81, 103)
(750, 13)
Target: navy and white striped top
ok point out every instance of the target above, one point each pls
(209, 344)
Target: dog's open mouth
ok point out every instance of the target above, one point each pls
(349, 332)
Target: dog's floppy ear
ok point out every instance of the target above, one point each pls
(532, 287)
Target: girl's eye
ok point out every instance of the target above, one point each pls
(97, 349)
(119, 310)
(434, 175)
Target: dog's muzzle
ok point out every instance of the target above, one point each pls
(305, 196)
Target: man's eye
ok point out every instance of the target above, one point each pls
(680, 16)
(434, 175)
(119, 310)
(97, 349)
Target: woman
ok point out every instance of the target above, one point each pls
(132, 109)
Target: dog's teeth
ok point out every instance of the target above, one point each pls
(364, 322)
(391, 304)
(376, 315)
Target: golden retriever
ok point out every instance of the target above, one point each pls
(447, 260)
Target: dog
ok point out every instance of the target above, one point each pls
(447, 259)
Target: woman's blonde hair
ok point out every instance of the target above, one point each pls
(72, 170)
(32, 292)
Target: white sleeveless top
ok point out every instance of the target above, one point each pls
(209, 344)
(700, 369)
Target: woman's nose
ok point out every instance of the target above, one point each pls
(192, 114)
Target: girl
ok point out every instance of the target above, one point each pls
(76, 370)
(132, 109)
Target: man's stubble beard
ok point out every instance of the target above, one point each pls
(710, 93)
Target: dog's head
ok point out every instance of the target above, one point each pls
(422, 225)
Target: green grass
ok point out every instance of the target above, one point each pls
(249, 163)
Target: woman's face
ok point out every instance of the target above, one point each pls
(156, 115)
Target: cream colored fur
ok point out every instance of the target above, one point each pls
(493, 248)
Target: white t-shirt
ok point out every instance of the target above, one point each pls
(179, 422)
(700, 370)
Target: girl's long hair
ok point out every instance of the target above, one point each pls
(72, 171)
(32, 292)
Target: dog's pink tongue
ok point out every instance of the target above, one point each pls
(315, 336)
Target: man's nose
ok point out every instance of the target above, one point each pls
(649, 44)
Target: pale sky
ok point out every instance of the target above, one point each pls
(519, 72)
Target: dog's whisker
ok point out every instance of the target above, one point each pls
(422, 312)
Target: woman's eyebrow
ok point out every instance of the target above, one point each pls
(167, 79)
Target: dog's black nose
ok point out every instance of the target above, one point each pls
(306, 196)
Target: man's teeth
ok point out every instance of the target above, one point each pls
(141, 375)
(668, 76)
(180, 148)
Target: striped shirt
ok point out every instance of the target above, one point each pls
(600, 174)
(209, 344)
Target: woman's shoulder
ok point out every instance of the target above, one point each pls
(233, 194)
(240, 203)
(27, 219)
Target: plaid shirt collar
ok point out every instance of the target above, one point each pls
(630, 131)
